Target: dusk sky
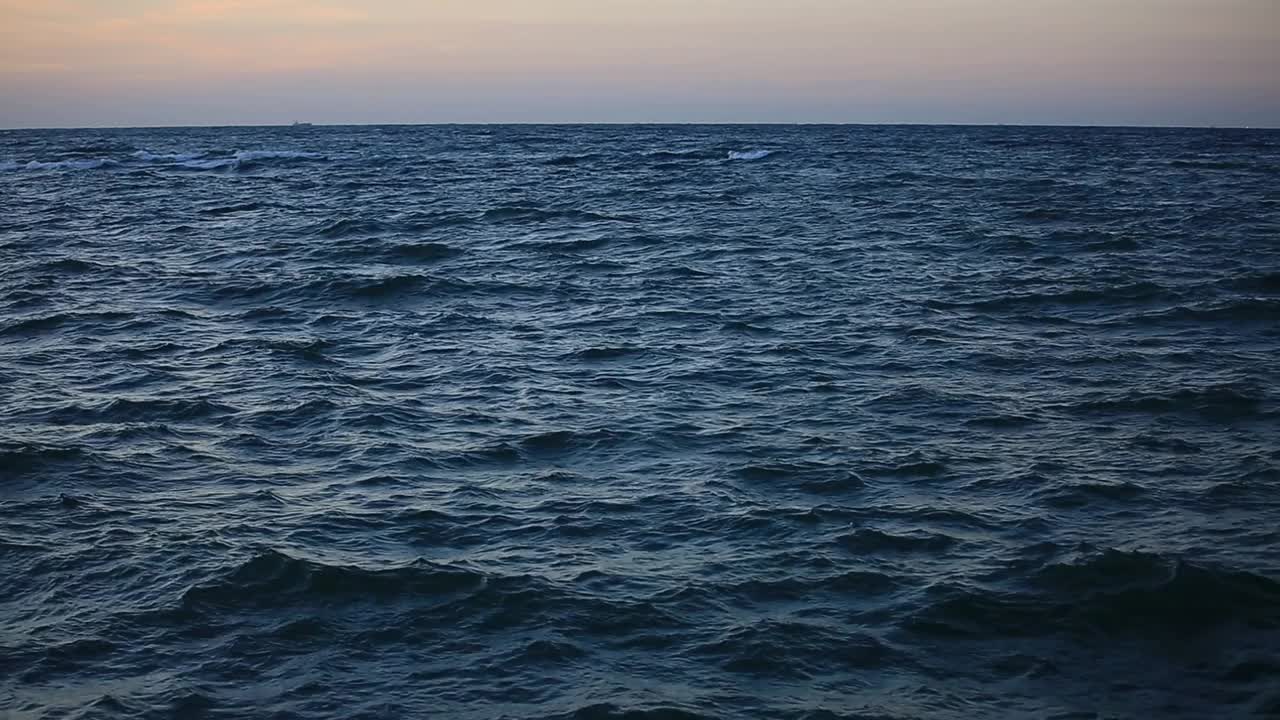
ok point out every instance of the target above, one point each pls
(184, 62)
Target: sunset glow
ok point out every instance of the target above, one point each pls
(122, 62)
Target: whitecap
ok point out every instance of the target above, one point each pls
(92, 164)
(749, 154)
(211, 164)
(146, 156)
(252, 155)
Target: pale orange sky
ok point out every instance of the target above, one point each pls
(149, 62)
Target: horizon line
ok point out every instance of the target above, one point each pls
(649, 123)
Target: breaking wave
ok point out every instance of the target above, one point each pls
(749, 154)
(198, 160)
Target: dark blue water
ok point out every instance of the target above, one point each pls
(639, 422)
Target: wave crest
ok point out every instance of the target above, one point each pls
(749, 154)
(274, 579)
(181, 160)
(88, 164)
(1112, 592)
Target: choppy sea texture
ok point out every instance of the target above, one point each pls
(639, 422)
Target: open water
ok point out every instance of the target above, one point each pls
(655, 423)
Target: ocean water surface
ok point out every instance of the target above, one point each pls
(686, 422)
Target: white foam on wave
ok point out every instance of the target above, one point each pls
(213, 164)
(146, 156)
(251, 155)
(92, 164)
(216, 161)
(201, 160)
(749, 154)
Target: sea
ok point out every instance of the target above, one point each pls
(640, 423)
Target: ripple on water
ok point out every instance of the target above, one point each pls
(658, 423)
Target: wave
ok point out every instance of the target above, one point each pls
(743, 326)
(70, 265)
(420, 221)
(870, 540)
(1177, 445)
(382, 287)
(426, 527)
(609, 711)
(390, 286)
(1136, 292)
(355, 227)
(304, 349)
(749, 154)
(812, 477)
(1083, 494)
(124, 410)
(606, 353)
(788, 649)
(150, 157)
(547, 651)
(1043, 215)
(239, 156)
(566, 246)
(1122, 244)
(358, 288)
(91, 164)
(1263, 168)
(192, 161)
(246, 156)
(218, 210)
(301, 415)
(350, 227)
(423, 252)
(1248, 310)
(1155, 587)
(1002, 421)
(436, 594)
(44, 323)
(679, 155)
(274, 579)
(515, 214)
(17, 458)
(1223, 402)
(571, 160)
(35, 325)
(213, 164)
(843, 583)
(65, 658)
(557, 441)
(1265, 282)
(1113, 592)
(912, 464)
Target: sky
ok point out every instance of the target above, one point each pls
(80, 63)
